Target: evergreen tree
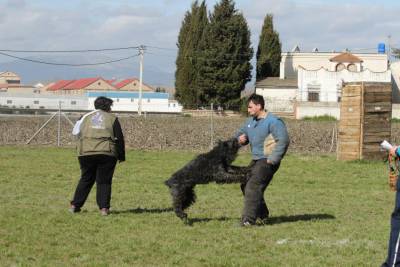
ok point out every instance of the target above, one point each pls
(190, 34)
(224, 61)
(269, 51)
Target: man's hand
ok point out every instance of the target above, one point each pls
(242, 139)
(393, 150)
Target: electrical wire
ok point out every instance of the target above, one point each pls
(67, 64)
(70, 51)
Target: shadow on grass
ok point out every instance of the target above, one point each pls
(301, 217)
(191, 221)
(143, 210)
(271, 220)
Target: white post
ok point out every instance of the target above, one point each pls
(141, 52)
(59, 124)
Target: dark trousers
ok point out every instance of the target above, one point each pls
(254, 202)
(394, 238)
(99, 169)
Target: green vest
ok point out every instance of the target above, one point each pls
(97, 135)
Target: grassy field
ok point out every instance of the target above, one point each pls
(323, 213)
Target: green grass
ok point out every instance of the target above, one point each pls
(319, 118)
(323, 213)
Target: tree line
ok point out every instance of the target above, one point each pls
(214, 53)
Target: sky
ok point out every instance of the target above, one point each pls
(358, 25)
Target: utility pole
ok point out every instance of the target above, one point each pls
(389, 52)
(141, 53)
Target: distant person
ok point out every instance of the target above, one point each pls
(393, 257)
(100, 145)
(269, 141)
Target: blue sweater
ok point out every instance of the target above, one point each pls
(257, 131)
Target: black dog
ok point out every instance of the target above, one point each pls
(213, 166)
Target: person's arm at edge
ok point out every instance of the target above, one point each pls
(119, 140)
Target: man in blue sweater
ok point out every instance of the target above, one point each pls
(393, 257)
(269, 141)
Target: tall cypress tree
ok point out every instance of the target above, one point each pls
(190, 34)
(224, 63)
(269, 51)
(182, 76)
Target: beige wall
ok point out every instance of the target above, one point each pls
(21, 90)
(312, 61)
(100, 85)
(134, 86)
(8, 75)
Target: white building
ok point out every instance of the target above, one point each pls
(326, 86)
(38, 101)
(123, 101)
(291, 61)
(129, 101)
(313, 80)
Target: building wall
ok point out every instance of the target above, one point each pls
(292, 60)
(395, 68)
(100, 85)
(278, 99)
(9, 77)
(134, 86)
(330, 83)
(148, 105)
(312, 109)
(43, 102)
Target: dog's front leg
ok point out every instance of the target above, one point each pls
(231, 174)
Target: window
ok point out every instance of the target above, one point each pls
(9, 101)
(73, 102)
(36, 102)
(339, 93)
(352, 67)
(340, 67)
(313, 92)
(313, 96)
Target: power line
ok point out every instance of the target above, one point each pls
(70, 51)
(67, 64)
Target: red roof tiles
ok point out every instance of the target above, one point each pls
(125, 82)
(59, 85)
(346, 57)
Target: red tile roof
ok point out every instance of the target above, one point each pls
(346, 57)
(59, 85)
(125, 82)
(81, 83)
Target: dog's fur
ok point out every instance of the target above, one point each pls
(213, 166)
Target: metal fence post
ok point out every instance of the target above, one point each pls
(212, 125)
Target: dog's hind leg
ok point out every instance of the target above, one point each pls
(183, 197)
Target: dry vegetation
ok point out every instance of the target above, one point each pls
(167, 132)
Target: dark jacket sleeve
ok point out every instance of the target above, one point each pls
(119, 140)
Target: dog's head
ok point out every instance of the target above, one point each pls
(228, 149)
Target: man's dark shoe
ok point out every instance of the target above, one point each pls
(104, 212)
(74, 209)
(246, 223)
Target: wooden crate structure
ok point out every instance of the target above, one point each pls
(365, 120)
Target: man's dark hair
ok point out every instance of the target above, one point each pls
(103, 103)
(257, 100)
